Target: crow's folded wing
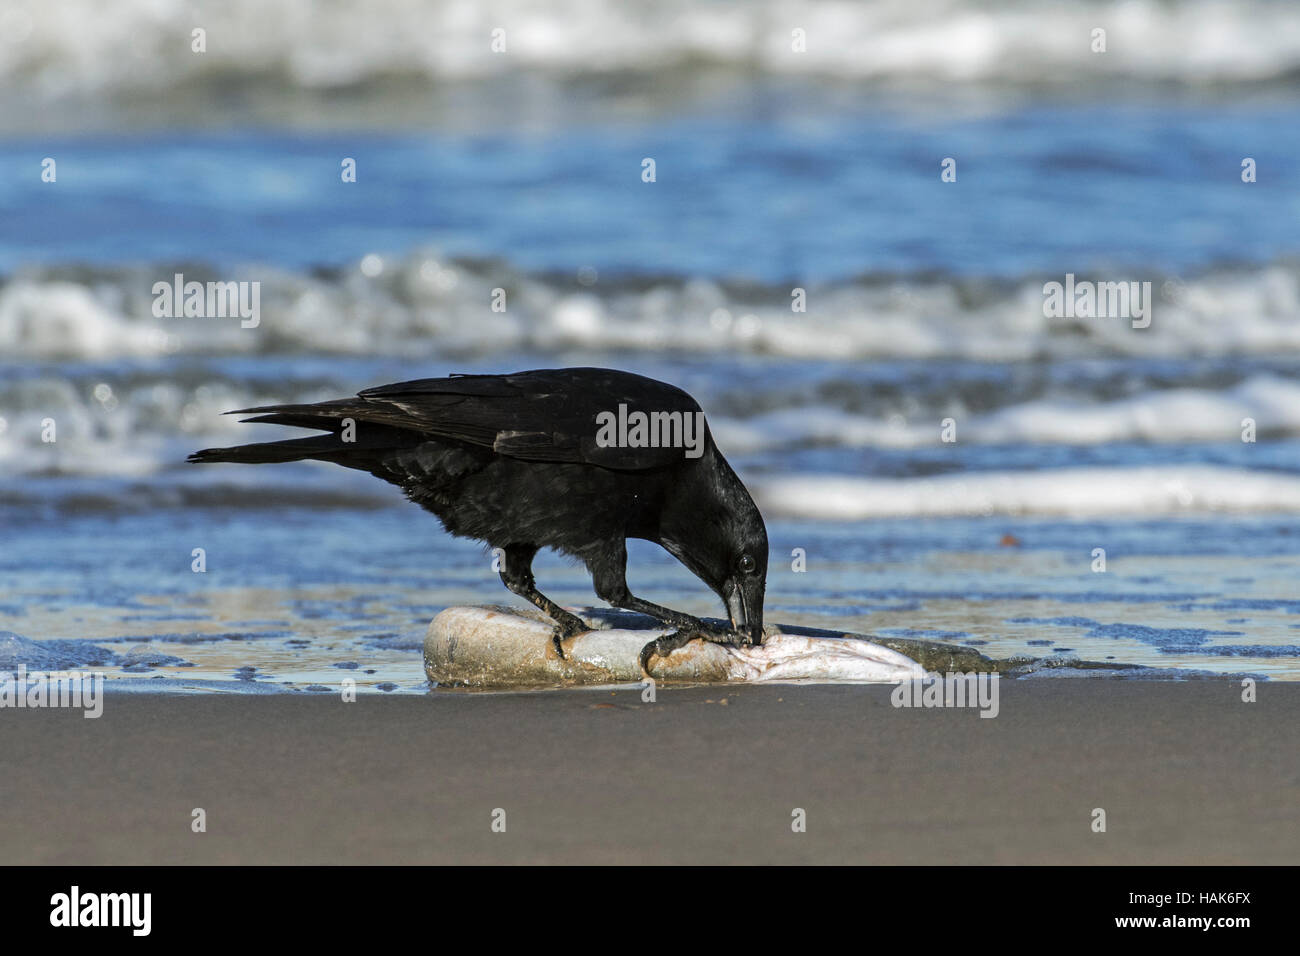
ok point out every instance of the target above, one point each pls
(543, 415)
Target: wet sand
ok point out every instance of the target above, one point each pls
(1187, 774)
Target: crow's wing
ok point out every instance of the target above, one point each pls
(541, 415)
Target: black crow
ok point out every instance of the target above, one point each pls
(574, 459)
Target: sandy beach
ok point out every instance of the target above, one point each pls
(1187, 774)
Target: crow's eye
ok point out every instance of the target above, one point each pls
(747, 563)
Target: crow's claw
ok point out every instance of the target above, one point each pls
(663, 646)
(567, 627)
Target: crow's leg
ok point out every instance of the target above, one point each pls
(517, 575)
(609, 576)
(684, 622)
(610, 579)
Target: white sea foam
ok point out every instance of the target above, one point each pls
(1073, 492)
(1158, 415)
(428, 306)
(91, 47)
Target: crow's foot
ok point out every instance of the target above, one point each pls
(566, 626)
(663, 646)
(719, 635)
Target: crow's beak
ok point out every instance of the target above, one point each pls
(741, 619)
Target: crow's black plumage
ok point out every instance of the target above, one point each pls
(520, 462)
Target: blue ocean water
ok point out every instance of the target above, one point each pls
(754, 194)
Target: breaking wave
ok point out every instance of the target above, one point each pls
(1072, 492)
(91, 48)
(425, 306)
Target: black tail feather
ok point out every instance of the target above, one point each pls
(319, 447)
(330, 416)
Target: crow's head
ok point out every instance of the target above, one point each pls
(719, 534)
(744, 581)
